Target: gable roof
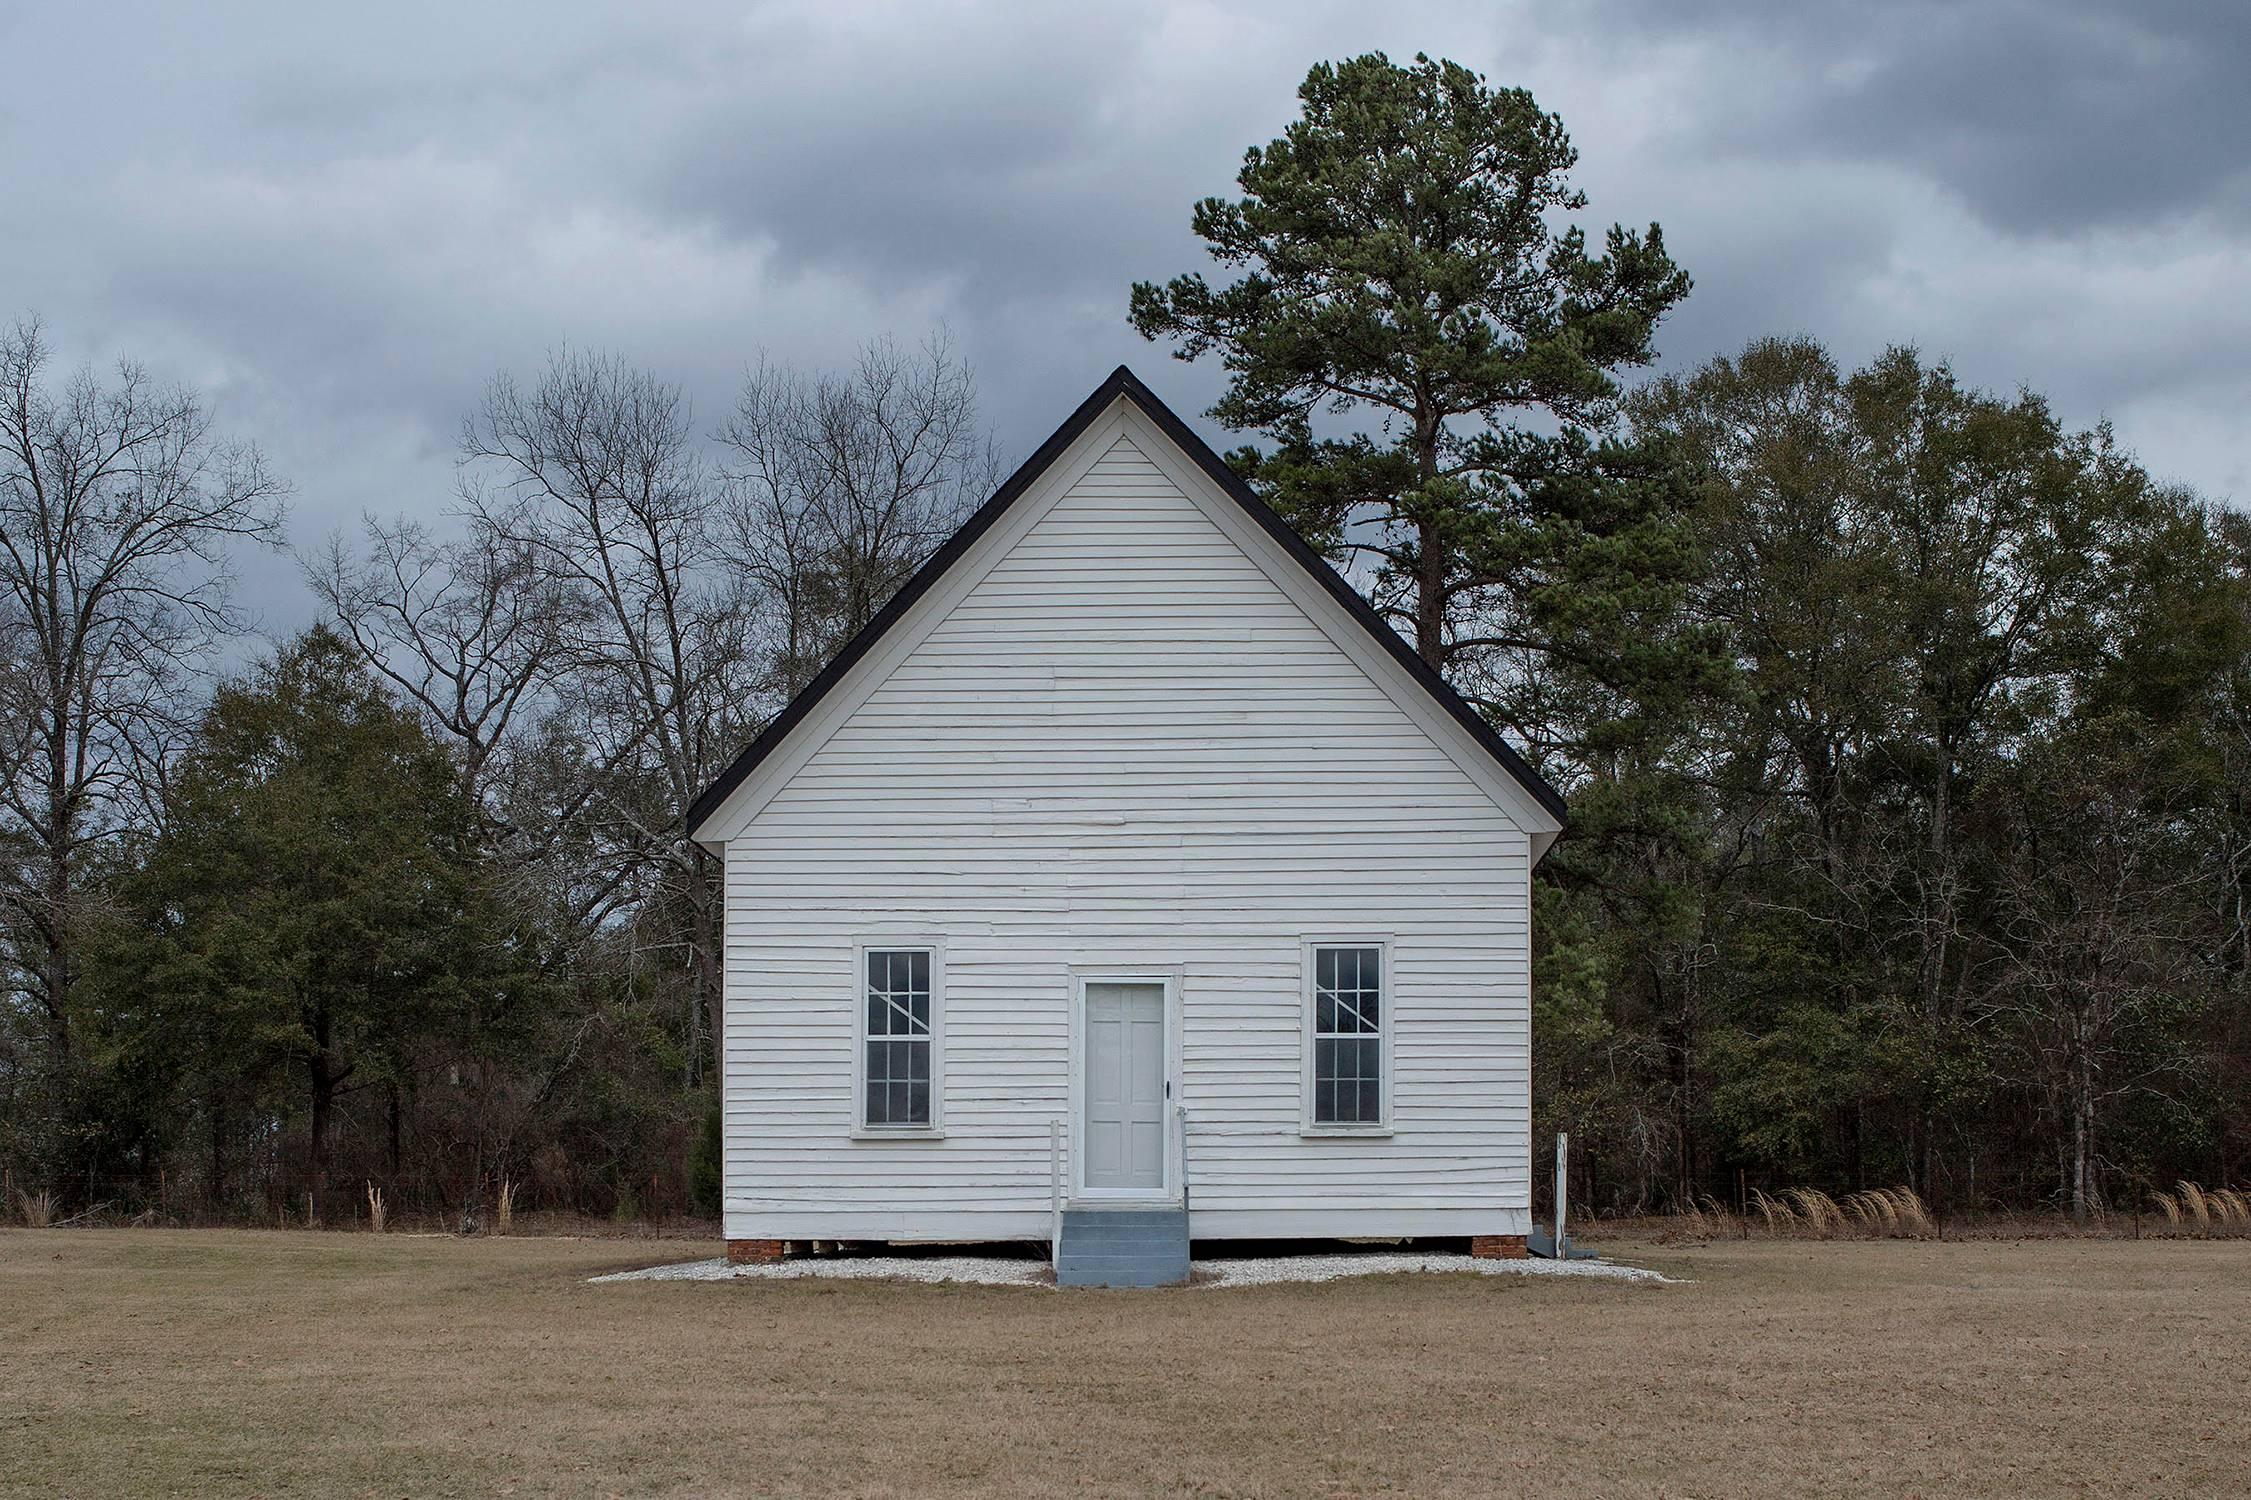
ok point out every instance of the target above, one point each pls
(1122, 383)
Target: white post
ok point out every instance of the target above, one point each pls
(1180, 1124)
(1562, 1191)
(1054, 1189)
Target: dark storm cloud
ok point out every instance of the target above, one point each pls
(2045, 118)
(343, 223)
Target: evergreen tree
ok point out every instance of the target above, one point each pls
(314, 906)
(1400, 266)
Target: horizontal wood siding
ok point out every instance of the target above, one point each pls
(1127, 746)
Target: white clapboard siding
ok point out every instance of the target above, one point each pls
(1126, 745)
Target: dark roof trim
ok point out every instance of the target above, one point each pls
(1122, 382)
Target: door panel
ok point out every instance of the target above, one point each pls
(1125, 1087)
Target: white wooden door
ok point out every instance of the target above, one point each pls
(1125, 1087)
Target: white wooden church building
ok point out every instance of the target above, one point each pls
(1127, 879)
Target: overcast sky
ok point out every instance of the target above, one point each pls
(340, 225)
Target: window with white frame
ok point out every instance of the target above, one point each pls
(1348, 1023)
(897, 1016)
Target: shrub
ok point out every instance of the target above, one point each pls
(706, 1181)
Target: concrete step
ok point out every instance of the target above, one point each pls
(1167, 1234)
(1122, 1276)
(1129, 1270)
(1126, 1230)
(1083, 1254)
(1122, 1217)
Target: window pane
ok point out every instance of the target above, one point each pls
(1325, 1081)
(878, 1100)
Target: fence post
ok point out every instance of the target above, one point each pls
(1562, 1192)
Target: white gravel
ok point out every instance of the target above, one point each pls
(983, 1270)
(1268, 1270)
(976, 1270)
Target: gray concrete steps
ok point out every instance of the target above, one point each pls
(1123, 1247)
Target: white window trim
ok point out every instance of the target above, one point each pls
(936, 1129)
(1387, 1023)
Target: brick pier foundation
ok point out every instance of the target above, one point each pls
(766, 1252)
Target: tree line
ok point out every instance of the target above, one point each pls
(1907, 730)
(410, 901)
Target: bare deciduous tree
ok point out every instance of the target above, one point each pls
(2098, 923)
(118, 506)
(620, 613)
(469, 630)
(599, 480)
(842, 485)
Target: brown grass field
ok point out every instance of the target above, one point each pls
(144, 1362)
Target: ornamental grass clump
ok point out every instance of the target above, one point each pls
(1701, 1216)
(1818, 1211)
(1876, 1213)
(1776, 1213)
(2193, 1209)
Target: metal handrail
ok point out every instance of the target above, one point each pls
(1180, 1115)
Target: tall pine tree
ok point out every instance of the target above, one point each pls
(1401, 267)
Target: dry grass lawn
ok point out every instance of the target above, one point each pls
(270, 1363)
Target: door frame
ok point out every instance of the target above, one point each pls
(1075, 1189)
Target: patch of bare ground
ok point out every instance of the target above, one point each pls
(243, 1362)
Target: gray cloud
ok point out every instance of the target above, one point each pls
(342, 228)
(2042, 116)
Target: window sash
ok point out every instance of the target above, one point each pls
(898, 992)
(1348, 1034)
(897, 1059)
(895, 1091)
